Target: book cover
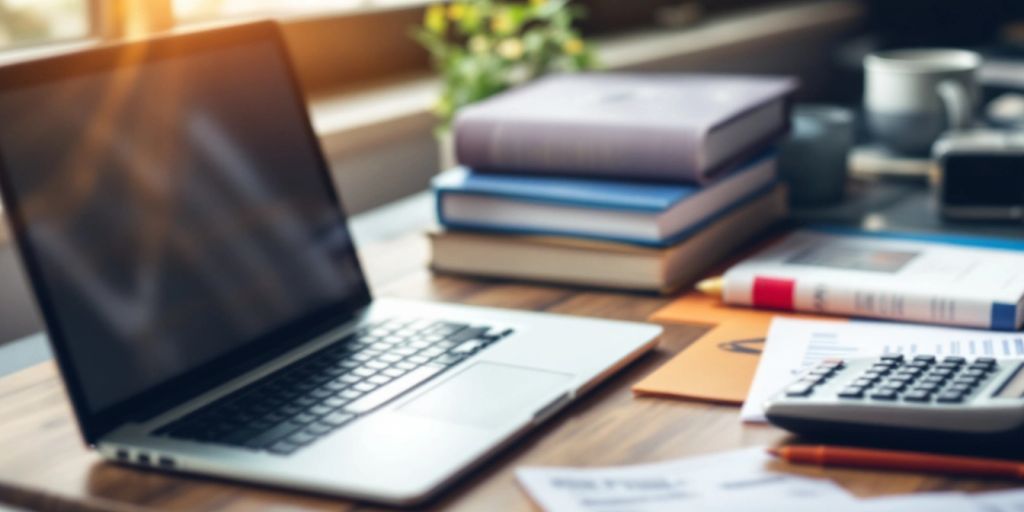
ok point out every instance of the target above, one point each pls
(936, 279)
(672, 127)
(623, 211)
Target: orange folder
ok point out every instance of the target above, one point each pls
(720, 365)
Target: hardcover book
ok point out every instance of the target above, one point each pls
(672, 127)
(605, 264)
(623, 211)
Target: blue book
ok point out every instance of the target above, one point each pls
(650, 214)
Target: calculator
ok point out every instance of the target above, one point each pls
(952, 397)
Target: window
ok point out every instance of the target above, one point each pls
(195, 10)
(29, 22)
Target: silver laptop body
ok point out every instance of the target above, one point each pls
(181, 234)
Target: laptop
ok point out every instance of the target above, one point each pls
(208, 312)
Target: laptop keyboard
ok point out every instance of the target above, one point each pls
(312, 397)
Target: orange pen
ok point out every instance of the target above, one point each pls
(899, 460)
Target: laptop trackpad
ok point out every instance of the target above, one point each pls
(489, 395)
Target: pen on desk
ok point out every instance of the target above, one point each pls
(899, 460)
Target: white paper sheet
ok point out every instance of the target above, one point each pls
(794, 345)
(1000, 501)
(731, 481)
(927, 502)
(726, 482)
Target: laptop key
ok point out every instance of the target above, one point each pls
(304, 418)
(379, 379)
(319, 429)
(337, 419)
(239, 437)
(334, 402)
(319, 410)
(284, 448)
(389, 391)
(394, 372)
(448, 359)
(268, 437)
(350, 394)
(301, 438)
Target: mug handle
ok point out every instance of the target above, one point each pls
(955, 98)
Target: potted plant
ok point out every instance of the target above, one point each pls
(482, 47)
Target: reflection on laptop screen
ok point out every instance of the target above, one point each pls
(177, 210)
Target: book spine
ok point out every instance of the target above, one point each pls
(670, 154)
(788, 294)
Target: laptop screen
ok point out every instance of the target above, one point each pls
(174, 207)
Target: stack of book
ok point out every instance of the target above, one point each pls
(637, 182)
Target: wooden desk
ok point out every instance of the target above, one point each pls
(43, 464)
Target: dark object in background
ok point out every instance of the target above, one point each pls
(982, 175)
(910, 23)
(813, 159)
(605, 16)
(889, 24)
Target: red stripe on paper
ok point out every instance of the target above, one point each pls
(774, 293)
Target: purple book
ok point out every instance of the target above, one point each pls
(671, 127)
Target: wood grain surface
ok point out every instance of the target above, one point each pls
(44, 466)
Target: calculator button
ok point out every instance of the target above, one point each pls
(954, 360)
(895, 386)
(873, 375)
(941, 372)
(950, 397)
(902, 379)
(896, 358)
(836, 364)
(907, 373)
(862, 382)
(821, 373)
(924, 358)
(974, 373)
(799, 389)
(947, 366)
(986, 360)
(852, 392)
(917, 396)
(883, 394)
(930, 387)
(960, 388)
(933, 379)
(918, 365)
(981, 367)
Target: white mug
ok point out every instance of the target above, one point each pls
(912, 96)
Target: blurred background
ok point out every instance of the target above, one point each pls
(371, 88)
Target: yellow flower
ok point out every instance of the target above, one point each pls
(479, 44)
(502, 23)
(456, 11)
(511, 48)
(442, 106)
(573, 46)
(434, 19)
